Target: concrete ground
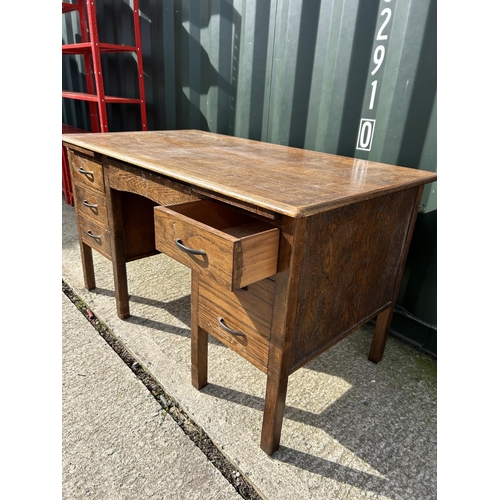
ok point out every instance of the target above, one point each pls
(114, 430)
(352, 429)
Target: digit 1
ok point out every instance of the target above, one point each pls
(374, 92)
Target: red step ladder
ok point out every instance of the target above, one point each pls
(97, 99)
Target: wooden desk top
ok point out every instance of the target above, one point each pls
(291, 181)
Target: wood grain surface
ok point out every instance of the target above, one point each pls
(247, 311)
(238, 249)
(124, 177)
(349, 270)
(86, 171)
(290, 181)
(98, 238)
(91, 204)
(333, 232)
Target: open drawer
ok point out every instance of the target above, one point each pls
(232, 247)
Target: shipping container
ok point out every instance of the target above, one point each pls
(348, 77)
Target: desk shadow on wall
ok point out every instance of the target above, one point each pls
(194, 88)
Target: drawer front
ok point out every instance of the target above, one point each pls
(86, 171)
(247, 313)
(91, 204)
(95, 236)
(229, 246)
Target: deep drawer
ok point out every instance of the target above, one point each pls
(231, 247)
(95, 236)
(241, 319)
(86, 171)
(91, 204)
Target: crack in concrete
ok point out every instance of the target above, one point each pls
(170, 406)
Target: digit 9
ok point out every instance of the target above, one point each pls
(378, 58)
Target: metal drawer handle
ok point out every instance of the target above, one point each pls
(89, 232)
(88, 205)
(86, 172)
(179, 244)
(228, 330)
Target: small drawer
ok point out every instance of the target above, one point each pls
(86, 171)
(218, 241)
(91, 204)
(241, 320)
(95, 236)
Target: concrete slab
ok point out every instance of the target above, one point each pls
(352, 429)
(117, 442)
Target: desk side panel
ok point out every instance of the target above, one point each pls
(352, 256)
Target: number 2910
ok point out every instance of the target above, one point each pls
(367, 126)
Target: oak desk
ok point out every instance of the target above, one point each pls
(290, 250)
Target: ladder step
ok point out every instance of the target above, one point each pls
(69, 7)
(82, 96)
(86, 48)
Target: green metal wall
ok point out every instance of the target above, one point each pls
(294, 72)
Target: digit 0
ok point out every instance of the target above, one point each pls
(365, 135)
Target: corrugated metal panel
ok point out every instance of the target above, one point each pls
(296, 72)
(306, 73)
(323, 78)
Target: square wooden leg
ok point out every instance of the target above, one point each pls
(380, 336)
(199, 357)
(274, 410)
(118, 251)
(121, 288)
(87, 266)
(278, 369)
(199, 340)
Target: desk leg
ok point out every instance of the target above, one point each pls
(121, 288)
(87, 266)
(199, 357)
(199, 340)
(380, 336)
(274, 409)
(282, 329)
(118, 259)
(385, 317)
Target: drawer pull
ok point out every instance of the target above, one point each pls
(88, 205)
(86, 172)
(179, 244)
(228, 330)
(97, 238)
